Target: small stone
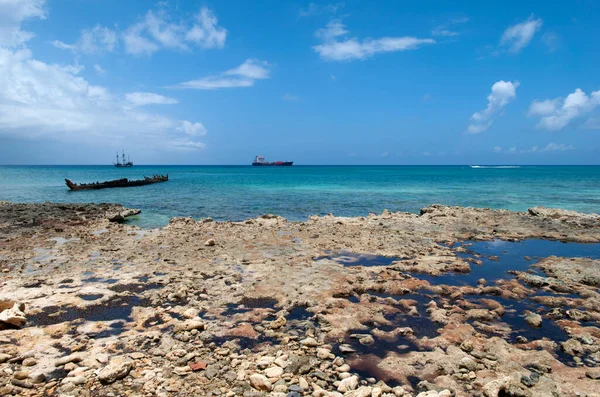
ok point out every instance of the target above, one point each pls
(467, 346)
(102, 358)
(21, 375)
(29, 362)
(13, 315)
(114, 371)
(323, 354)
(76, 380)
(343, 368)
(468, 363)
(210, 242)
(37, 377)
(137, 355)
(367, 340)
(189, 325)
(22, 383)
(4, 358)
(345, 348)
(198, 365)
(348, 384)
(309, 342)
(303, 383)
(260, 382)
(593, 374)
(71, 358)
(274, 372)
(534, 320)
(280, 322)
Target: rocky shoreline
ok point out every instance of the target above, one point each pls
(450, 302)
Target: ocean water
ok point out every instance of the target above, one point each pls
(241, 192)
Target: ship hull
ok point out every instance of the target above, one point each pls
(274, 164)
(128, 165)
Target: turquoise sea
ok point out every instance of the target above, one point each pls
(241, 192)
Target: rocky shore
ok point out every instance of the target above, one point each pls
(449, 302)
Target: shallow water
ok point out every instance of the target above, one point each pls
(241, 192)
(510, 256)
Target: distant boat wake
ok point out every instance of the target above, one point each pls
(495, 166)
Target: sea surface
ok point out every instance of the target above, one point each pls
(241, 192)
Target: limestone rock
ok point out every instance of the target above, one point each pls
(260, 382)
(13, 313)
(114, 371)
(348, 384)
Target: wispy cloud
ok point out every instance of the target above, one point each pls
(319, 9)
(556, 114)
(551, 147)
(244, 75)
(336, 46)
(99, 70)
(156, 31)
(96, 40)
(446, 30)
(12, 13)
(503, 92)
(517, 37)
(148, 98)
(289, 97)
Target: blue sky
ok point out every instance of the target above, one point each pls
(354, 82)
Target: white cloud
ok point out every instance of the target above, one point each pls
(552, 41)
(502, 93)
(148, 98)
(244, 75)
(557, 113)
(317, 9)
(12, 13)
(96, 40)
(557, 147)
(290, 97)
(551, 147)
(156, 31)
(443, 31)
(337, 48)
(446, 29)
(206, 33)
(40, 100)
(517, 37)
(192, 129)
(99, 70)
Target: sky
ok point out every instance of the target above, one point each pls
(350, 82)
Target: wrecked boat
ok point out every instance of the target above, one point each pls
(124, 182)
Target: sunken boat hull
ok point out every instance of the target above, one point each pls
(124, 182)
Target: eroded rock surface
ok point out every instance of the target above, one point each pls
(369, 306)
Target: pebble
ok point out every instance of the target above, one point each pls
(260, 382)
(348, 384)
(274, 372)
(114, 371)
(309, 342)
(72, 358)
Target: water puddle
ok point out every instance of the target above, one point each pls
(249, 304)
(348, 258)
(100, 280)
(498, 257)
(90, 297)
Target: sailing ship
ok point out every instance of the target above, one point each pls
(123, 163)
(124, 182)
(260, 161)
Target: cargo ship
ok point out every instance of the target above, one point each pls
(260, 161)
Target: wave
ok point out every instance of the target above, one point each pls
(495, 166)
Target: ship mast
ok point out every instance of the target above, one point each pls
(118, 158)
(123, 156)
